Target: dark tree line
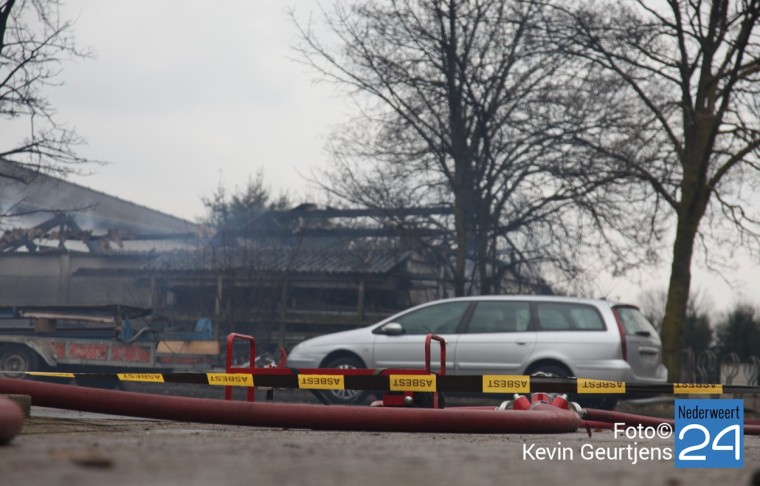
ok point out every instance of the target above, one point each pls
(735, 331)
(739, 333)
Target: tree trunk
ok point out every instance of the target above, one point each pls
(460, 228)
(674, 321)
(459, 153)
(487, 284)
(5, 13)
(678, 294)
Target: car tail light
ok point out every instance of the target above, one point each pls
(621, 329)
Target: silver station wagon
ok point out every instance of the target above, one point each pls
(559, 336)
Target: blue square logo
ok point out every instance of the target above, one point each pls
(709, 433)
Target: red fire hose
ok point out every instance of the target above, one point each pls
(11, 419)
(541, 419)
(607, 416)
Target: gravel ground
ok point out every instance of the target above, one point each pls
(75, 448)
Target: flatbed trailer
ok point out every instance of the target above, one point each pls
(99, 338)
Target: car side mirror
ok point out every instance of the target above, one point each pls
(391, 329)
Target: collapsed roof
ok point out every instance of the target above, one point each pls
(35, 206)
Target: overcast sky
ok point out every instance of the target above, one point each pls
(184, 95)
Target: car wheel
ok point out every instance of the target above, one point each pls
(102, 383)
(601, 402)
(550, 370)
(426, 400)
(604, 402)
(344, 397)
(17, 360)
(608, 403)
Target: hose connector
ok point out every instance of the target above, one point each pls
(576, 407)
(560, 401)
(520, 402)
(540, 397)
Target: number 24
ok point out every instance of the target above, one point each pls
(684, 455)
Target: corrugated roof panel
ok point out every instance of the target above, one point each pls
(284, 260)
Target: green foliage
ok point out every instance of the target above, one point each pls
(698, 333)
(739, 333)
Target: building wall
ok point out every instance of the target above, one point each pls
(51, 279)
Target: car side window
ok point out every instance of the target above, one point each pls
(568, 317)
(500, 317)
(439, 319)
(633, 321)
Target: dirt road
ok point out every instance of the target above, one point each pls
(73, 448)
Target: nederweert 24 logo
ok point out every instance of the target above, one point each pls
(709, 433)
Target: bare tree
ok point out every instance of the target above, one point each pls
(691, 72)
(34, 42)
(460, 105)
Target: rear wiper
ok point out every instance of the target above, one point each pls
(643, 333)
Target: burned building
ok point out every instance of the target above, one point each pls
(283, 276)
(66, 244)
(280, 295)
(51, 229)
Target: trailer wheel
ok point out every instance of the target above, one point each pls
(17, 360)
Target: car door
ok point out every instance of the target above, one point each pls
(498, 339)
(575, 334)
(407, 349)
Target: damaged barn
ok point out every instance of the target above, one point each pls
(282, 276)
